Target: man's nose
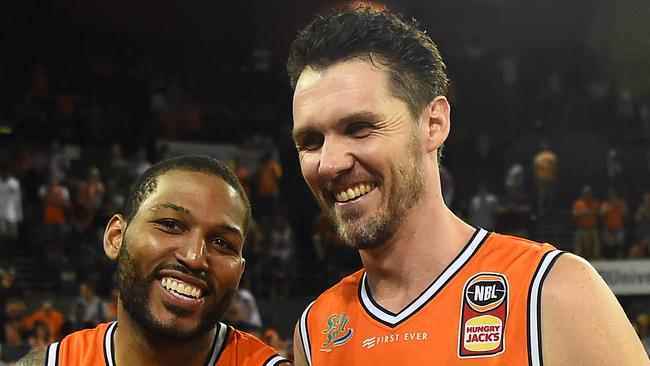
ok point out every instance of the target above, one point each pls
(193, 253)
(335, 158)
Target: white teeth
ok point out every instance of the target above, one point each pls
(353, 192)
(181, 288)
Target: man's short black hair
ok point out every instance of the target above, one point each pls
(417, 72)
(148, 181)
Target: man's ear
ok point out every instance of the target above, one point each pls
(436, 120)
(114, 236)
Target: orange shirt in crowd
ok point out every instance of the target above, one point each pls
(586, 213)
(614, 214)
(53, 318)
(269, 179)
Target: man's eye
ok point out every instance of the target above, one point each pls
(359, 129)
(171, 225)
(222, 243)
(311, 142)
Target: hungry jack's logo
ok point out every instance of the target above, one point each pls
(337, 332)
(483, 316)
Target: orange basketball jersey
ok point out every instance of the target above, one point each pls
(483, 309)
(95, 347)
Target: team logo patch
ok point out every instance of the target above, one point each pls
(483, 316)
(337, 332)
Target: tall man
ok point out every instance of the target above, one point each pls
(179, 251)
(370, 118)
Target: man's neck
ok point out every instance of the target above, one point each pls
(426, 243)
(136, 346)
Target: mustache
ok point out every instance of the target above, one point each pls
(201, 275)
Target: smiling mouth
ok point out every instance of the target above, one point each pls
(354, 192)
(181, 289)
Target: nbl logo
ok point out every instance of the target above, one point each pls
(485, 292)
(483, 316)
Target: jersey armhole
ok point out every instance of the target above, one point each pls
(534, 324)
(304, 333)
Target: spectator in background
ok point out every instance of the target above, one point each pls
(95, 308)
(241, 172)
(56, 201)
(483, 208)
(76, 320)
(140, 163)
(544, 170)
(268, 176)
(641, 246)
(59, 162)
(14, 346)
(585, 212)
(14, 311)
(613, 211)
(280, 253)
(41, 336)
(513, 213)
(247, 307)
(49, 315)
(95, 187)
(642, 218)
(11, 209)
(118, 167)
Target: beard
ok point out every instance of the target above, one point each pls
(134, 289)
(380, 227)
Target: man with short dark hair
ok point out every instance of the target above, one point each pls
(179, 251)
(370, 118)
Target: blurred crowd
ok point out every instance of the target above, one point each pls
(79, 123)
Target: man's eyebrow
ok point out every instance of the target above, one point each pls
(231, 228)
(172, 206)
(361, 116)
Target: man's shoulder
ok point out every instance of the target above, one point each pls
(36, 358)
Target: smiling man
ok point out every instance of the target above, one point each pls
(179, 251)
(370, 118)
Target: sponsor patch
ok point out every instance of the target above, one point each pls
(337, 332)
(483, 316)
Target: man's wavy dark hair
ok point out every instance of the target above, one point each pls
(417, 72)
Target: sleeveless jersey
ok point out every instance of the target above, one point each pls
(483, 309)
(95, 347)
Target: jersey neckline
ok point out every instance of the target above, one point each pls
(218, 344)
(391, 319)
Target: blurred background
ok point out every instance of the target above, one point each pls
(550, 140)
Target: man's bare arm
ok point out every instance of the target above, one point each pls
(298, 352)
(36, 358)
(582, 322)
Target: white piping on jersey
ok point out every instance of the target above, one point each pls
(220, 340)
(275, 360)
(447, 274)
(534, 336)
(304, 336)
(108, 344)
(51, 354)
